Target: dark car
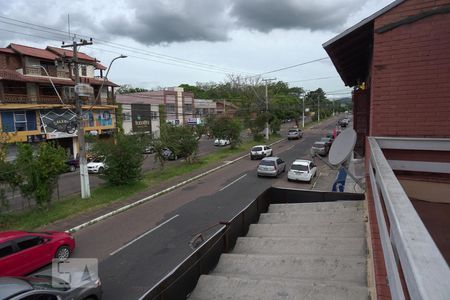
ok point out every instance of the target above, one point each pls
(327, 140)
(23, 252)
(72, 164)
(169, 154)
(46, 287)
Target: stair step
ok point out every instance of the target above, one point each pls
(356, 229)
(287, 245)
(317, 206)
(340, 268)
(311, 217)
(216, 287)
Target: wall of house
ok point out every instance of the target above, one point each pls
(10, 61)
(410, 93)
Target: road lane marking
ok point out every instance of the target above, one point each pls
(157, 194)
(232, 182)
(144, 234)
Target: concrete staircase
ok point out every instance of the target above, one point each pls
(296, 251)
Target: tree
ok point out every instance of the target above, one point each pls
(181, 140)
(227, 128)
(123, 158)
(129, 89)
(39, 171)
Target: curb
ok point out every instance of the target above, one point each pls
(169, 189)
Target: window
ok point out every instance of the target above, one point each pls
(154, 115)
(126, 116)
(40, 297)
(28, 242)
(6, 249)
(20, 121)
(83, 71)
(188, 107)
(170, 107)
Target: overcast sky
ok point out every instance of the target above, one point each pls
(170, 42)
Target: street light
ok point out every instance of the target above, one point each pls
(106, 76)
(50, 79)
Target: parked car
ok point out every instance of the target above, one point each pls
(72, 164)
(327, 140)
(294, 133)
(221, 142)
(343, 122)
(260, 151)
(168, 154)
(97, 165)
(23, 252)
(148, 150)
(46, 287)
(271, 166)
(320, 148)
(302, 170)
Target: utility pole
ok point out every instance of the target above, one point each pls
(318, 108)
(84, 175)
(303, 111)
(267, 105)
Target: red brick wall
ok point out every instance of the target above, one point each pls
(10, 61)
(410, 93)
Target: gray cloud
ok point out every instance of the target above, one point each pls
(176, 21)
(267, 15)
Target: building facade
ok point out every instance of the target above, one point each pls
(398, 62)
(32, 110)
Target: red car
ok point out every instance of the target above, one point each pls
(23, 252)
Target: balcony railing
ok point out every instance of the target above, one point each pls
(25, 99)
(14, 98)
(406, 243)
(40, 72)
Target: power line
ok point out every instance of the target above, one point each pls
(116, 45)
(294, 66)
(312, 79)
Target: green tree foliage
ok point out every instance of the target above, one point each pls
(39, 171)
(227, 128)
(129, 89)
(123, 158)
(181, 140)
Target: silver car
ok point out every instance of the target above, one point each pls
(271, 166)
(294, 133)
(320, 148)
(48, 288)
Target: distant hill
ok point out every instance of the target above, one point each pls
(344, 100)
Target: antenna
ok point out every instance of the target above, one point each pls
(68, 24)
(341, 152)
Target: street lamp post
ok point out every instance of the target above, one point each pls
(106, 76)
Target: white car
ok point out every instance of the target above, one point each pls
(221, 142)
(97, 165)
(302, 170)
(260, 151)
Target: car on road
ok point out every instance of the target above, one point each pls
(148, 150)
(168, 154)
(302, 170)
(343, 122)
(72, 164)
(271, 166)
(23, 252)
(46, 287)
(260, 151)
(221, 142)
(294, 133)
(320, 148)
(97, 165)
(327, 140)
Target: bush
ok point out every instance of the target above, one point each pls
(123, 158)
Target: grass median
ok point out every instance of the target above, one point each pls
(104, 195)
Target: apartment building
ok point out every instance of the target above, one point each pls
(37, 99)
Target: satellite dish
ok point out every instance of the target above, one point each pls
(342, 147)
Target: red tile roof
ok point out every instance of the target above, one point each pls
(69, 53)
(99, 66)
(34, 52)
(6, 50)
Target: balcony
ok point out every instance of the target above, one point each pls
(9, 98)
(410, 233)
(51, 72)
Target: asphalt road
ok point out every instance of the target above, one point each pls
(135, 252)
